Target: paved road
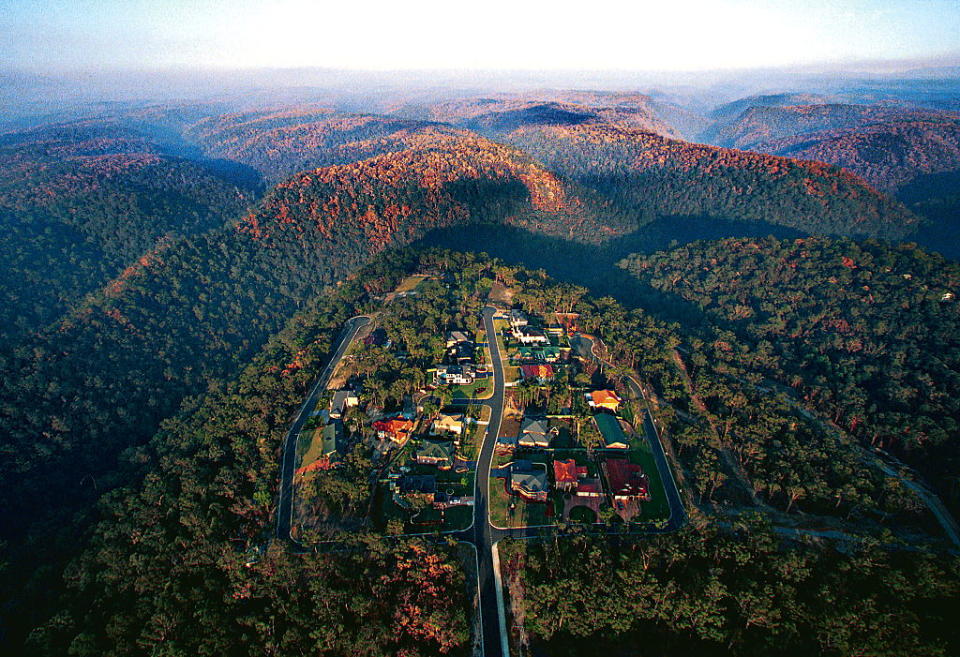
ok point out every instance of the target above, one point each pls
(288, 462)
(482, 534)
(678, 515)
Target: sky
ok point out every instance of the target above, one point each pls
(637, 35)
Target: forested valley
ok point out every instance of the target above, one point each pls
(174, 277)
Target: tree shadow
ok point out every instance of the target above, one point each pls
(595, 266)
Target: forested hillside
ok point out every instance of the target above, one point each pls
(280, 143)
(503, 113)
(888, 154)
(175, 563)
(741, 590)
(78, 202)
(190, 311)
(147, 257)
(761, 125)
(867, 334)
(640, 170)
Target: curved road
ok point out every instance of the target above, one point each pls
(483, 535)
(678, 514)
(288, 462)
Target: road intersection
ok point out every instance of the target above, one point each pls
(482, 534)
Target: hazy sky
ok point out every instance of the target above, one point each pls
(670, 35)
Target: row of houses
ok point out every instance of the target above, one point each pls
(627, 484)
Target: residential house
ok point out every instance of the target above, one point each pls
(539, 373)
(443, 500)
(454, 374)
(343, 400)
(567, 474)
(611, 431)
(412, 487)
(461, 353)
(626, 481)
(527, 335)
(332, 443)
(535, 432)
(396, 429)
(505, 444)
(589, 488)
(529, 481)
(604, 399)
(448, 423)
(458, 336)
(435, 452)
(539, 354)
(518, 318)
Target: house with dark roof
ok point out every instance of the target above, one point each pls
(461, 353)
(435, 452)
(454, 374)
(458, 336)
(529, 480)
(409, 488)
(517, 318)
(343, 400)
(535, 432)
(589, 488)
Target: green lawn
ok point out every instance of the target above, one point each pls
(522, 515)
(411, 283)
(657, 508)
(428, 519)
(472, 391)
(473, 439)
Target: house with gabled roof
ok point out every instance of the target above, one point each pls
(604, 399)
(457, 336)
(567, 474)
(589, 488)
(435, 452)
(539, 373)
(527, 335)
(627, 481)
(611, 431)
(341, 401)
(448, 423)
(535, 432)
(408, 488)
(396, 429)
(529, 481)
(517, 318)
(454, 374)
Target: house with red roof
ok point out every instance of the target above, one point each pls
(567, 474)
(589, 488)
(397, 429)
(540, 373)
(606, 399)
(626, 481)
